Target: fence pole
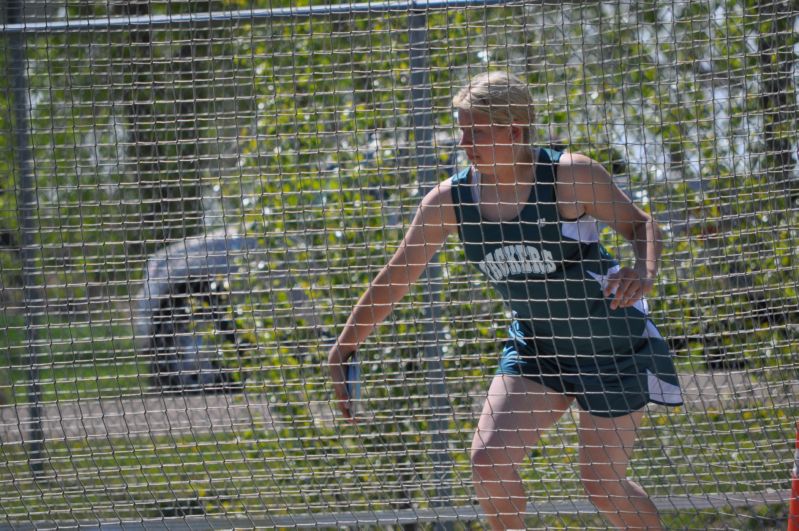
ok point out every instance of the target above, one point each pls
(26, 213)
(422, 110)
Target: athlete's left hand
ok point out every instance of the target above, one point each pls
(628, 286)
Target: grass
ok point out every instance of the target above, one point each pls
(304, 467)
(83, 360)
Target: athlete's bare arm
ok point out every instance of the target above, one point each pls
(585, 187)
(434, 221)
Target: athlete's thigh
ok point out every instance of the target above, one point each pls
(515, 413)
(606, 444)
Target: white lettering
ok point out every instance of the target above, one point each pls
(549, 262)
(533, 254)
(495, 273)
(526, 265)
(535, 260)
(484, 268)
(502, 261)
(515, 260)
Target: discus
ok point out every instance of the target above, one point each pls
(353, 382)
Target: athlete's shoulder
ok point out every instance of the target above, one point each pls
(580, 169)
(440, 194)
(437, 206)
(571, 158)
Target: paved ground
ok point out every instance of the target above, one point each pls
(202, 414)
(139, 417)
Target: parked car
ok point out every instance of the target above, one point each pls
(184, 319)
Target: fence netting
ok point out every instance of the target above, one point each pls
(194, 194)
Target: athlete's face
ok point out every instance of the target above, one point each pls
(489, 147)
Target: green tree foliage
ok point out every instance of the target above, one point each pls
(128, 128)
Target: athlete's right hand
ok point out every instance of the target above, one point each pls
(627, 286)
(336, 362)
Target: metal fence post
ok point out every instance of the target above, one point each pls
(422, 111)
(26, 212)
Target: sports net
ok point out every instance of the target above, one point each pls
(193, 196)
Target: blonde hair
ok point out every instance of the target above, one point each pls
(502, 96)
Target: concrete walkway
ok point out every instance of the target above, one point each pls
(155, 416)
(166, 415)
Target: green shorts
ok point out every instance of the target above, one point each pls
(605, 385)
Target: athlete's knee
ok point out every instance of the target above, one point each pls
(489, 461)
(601, 493)
(613, 494)
(495, 460)
(602, 485)
(483, 460)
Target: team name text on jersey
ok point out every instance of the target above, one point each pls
(516, 260)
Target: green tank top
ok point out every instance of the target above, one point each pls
(550, 271)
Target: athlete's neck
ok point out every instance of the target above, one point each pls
(521, 171)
